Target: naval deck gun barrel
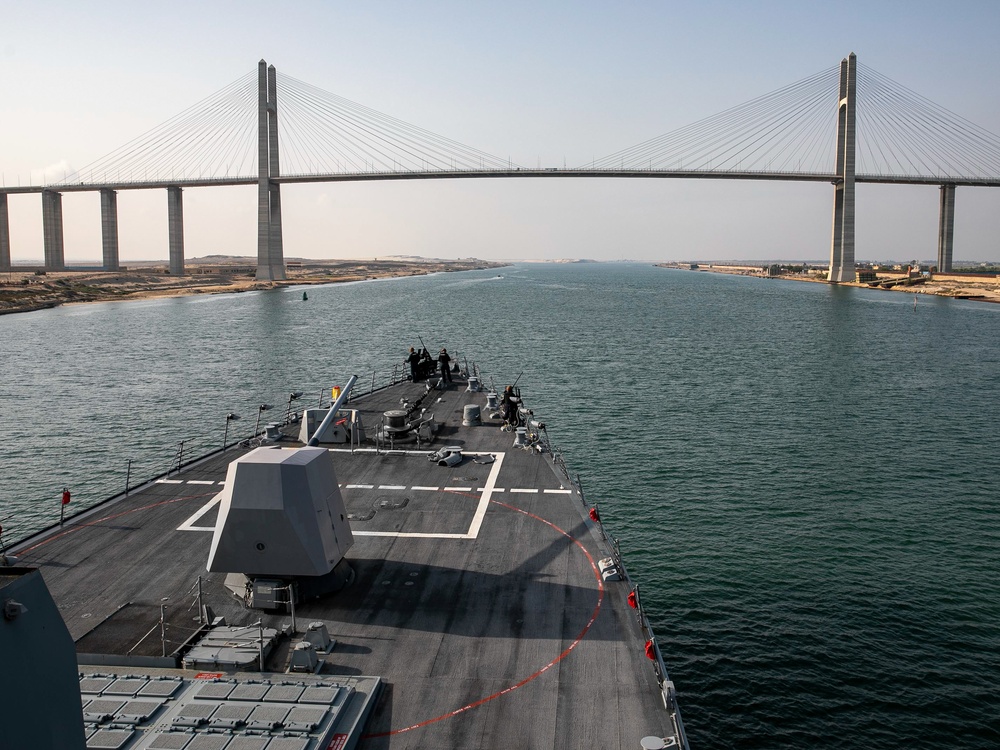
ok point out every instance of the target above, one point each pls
(314, 440)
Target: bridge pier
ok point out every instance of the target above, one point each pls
(842, 244)
(946, 228)
(52, 230)
(109, 229)
(175, 230)
(270, 253)
(4, 234)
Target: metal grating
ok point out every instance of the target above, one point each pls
(267, 717)
(284, 693)
(243, 742)
(161, 688)
(94, 684)
(137, 712)
(109, 739)
(263, 713)
(170, 741)
(250, 692)
(318, 694)
(289, 743)
(305, 719)
(101, 710)
(208, 742)
(231, 715)
(216, 690)
(126, 686)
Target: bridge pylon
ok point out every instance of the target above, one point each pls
(270, 255)
(52, 230)
(4, 234)
(946, 229)
(842, 245)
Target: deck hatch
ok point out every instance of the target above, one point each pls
(126, 686)
(320, 694)
(170, 741)
(231, 715)
(284, 693)
(254, 691)
(100, 711)
(288, 743)
(216, 690)
(137, 712)
(109, 739)
(162, 688)
(208, 742)
(94, 684)
(267, 717)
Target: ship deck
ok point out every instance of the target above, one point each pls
(476, 595)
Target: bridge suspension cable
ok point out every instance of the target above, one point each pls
(322, 133)
(789, 130)
(217, 137)
(902, 133)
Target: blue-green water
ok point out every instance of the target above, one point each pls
(804, 478)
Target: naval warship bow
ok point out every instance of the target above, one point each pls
(412, 566)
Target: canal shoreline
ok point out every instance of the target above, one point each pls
(976, 288)
(31, 290)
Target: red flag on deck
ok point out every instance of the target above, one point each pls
(65, 497)
(593, 515)
(633, 600)
(650, 650)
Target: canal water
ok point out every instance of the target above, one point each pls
(803, 478)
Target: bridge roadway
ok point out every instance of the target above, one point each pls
(550, 172)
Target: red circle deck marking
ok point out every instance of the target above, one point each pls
(529, 678)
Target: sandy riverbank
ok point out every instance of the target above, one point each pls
(23, 291)
(956, 286)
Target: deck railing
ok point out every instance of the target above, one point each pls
(120, 476)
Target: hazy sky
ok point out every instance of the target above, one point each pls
(543, 83)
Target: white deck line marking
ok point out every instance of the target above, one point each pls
(188, 525)
(491, 482)
(477, 518)
(359, 487)
(392, 486)
(410, 534)
(425, 489)
(558, 492)
(458, 489)
(523, 491)
(170, 481)
(201, 481)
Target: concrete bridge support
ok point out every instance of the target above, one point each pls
(842, 245)
(4, 234)
(270, 254)
(946, 228)
(109, 229)
(52, 230)
(175, 230)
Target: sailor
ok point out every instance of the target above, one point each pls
(508, 407)
(414, 360)
(427, 365)
(444, 362)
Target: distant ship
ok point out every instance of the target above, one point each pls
(412, 566)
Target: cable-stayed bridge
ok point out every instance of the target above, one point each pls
(844, 125)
